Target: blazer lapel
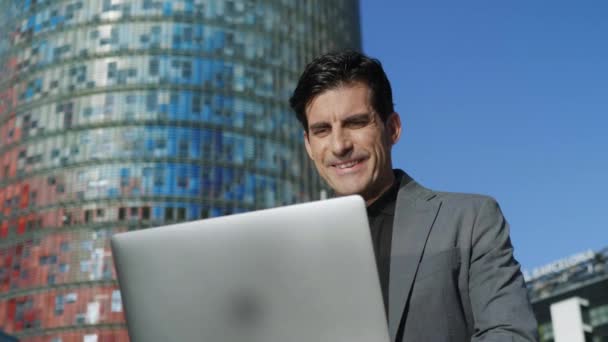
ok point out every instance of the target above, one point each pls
(414, 217)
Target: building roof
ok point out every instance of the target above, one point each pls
(568, 274)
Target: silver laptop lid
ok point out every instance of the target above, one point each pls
(304, 272)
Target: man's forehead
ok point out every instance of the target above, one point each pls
(340, 102)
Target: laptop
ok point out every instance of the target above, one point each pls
(303, 272)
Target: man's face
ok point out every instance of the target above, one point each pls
(349, 143)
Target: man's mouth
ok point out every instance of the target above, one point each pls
(347, 164)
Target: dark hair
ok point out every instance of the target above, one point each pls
(335, 69)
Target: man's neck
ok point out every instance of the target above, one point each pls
(385, 188)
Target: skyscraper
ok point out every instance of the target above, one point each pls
(119, 115)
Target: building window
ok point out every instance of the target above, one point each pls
(59, 303)
(154, 67)
(196, 104)
(71, 297)
(145, 213)
(182, 182)
(168, 213)
(183, 148)
(80, 319)
(151, 101)
(181, 213)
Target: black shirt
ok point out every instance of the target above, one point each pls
(380, 215)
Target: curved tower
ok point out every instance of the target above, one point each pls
(119, 115)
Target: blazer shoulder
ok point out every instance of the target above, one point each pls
(414, 191)
(456, 201)
(460, 198)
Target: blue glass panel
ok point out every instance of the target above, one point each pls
(218, 141)
(113, 192)
(170, 179)
(193, 211)
(30, 22)
(157, 213)
(124, 172)
(167, 8)
(216, 212)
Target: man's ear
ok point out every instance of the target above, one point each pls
(307, 145)
(393, 128)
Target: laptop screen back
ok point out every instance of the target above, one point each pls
(298, 273)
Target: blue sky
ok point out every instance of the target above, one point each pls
(506, 98)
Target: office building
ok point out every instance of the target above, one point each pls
(570, 298)
(119, 115)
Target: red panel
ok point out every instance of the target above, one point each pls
(25, 196)
(29, 315)
(12, 307)
(21, 226)
(4, 230)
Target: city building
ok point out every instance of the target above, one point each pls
(118, 115)
(570, 298)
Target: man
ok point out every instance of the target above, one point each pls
(445, 260)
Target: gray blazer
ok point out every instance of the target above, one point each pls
(452, 272)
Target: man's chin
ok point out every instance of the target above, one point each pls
(348, 192)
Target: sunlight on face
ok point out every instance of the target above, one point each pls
(349, 143)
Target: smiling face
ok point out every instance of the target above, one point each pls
(349, 143)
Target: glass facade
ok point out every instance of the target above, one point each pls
(119, 115)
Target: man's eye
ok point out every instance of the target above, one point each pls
(320, 131)
(358, 123)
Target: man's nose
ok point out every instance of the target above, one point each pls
(341, 143)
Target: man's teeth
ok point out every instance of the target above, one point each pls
(347, 165)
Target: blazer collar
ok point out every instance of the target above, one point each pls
(415, 214)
